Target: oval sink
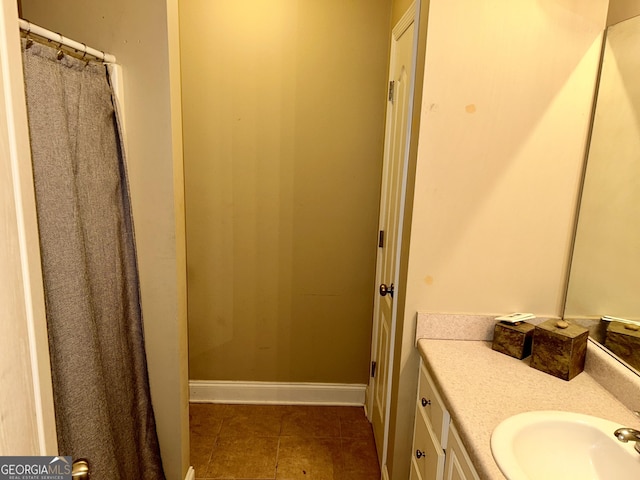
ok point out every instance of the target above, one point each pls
(546, 445)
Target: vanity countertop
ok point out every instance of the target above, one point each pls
(482, 387)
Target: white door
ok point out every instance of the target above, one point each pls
(391, 206)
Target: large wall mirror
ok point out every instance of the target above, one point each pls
(605, 269)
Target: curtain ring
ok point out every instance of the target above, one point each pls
(60, 54)
(29, 42)
(84, 58)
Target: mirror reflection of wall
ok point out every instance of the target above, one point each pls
(605, 271)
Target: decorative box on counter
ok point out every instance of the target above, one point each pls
(623, 339)
(559, 348)
(513, 339)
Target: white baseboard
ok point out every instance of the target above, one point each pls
(191, 474)
(205, 391)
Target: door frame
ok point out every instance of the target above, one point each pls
(27, 393)
(412, 15)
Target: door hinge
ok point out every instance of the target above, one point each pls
(381, 239)
(392, 88)
(373, 369)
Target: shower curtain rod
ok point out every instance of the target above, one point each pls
(29, 27)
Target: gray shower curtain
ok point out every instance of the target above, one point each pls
(100, 382)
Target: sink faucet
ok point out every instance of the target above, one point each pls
(628, 434)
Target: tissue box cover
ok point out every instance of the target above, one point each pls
(559, 351)
(513, 339)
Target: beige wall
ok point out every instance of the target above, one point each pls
(138, 33)
(505, 116)
(605, 270)
(620, 10)
(283, 107)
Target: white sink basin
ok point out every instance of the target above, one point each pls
(548, 445)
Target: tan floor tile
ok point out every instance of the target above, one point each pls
(212, 410)
(244, 458)
(354, 423)
(304, 458)
(311, 421)
(360, 459)
(200, 449)
(253, 420)
(316, 443)
(350, 411)
(205, 419)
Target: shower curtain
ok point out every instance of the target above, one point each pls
(100, 382)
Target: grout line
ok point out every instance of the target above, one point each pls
(281, 424)
(213, 446)
(277, 459)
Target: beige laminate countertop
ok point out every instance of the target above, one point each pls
(482, 387)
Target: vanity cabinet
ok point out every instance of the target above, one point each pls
(438, 452)
(458, 465)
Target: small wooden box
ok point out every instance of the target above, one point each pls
(624, 340)
(513, 339)
(559, 348)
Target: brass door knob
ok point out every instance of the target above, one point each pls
(384, 290)
(80, 470)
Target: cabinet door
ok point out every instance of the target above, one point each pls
(415, 475)
(427, 452)
(458, 465)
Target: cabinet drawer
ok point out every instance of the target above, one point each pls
(427, 452)
(430, 403)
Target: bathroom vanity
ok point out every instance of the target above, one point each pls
(466, 389)
(438, 451)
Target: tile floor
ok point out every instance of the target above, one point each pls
(283, 442)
